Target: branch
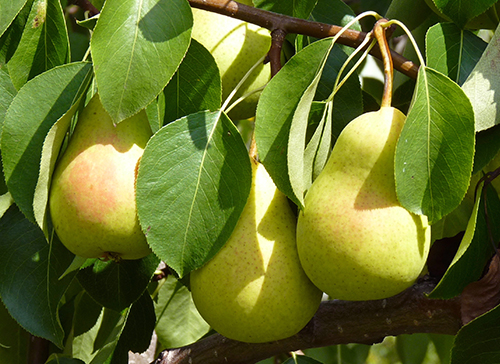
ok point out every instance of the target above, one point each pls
(336, 322)
(288, 24)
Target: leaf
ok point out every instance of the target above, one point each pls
(118, 285)
(29, 275)
(44, 43)
(298, 9)
(412, 13)
(178, 321)
(300, 359)
(8, 12)
(280, 101)
(7, 93)
(136, 334)
(50, 152)
(435, 151)
(453, 51)
(412, 349)
(12, 35)
(13, 339)
(33, 111)
(196, 85)
(478, 341)
(334, 12)
(299, 181)
(461, 11)
(487, 147)
(474, 250)
(480, 86)
(136, 48)
(106, 340)
(340, 354)
(193, 182)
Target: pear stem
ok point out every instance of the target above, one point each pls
(379, 31)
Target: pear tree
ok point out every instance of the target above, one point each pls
(264, 181)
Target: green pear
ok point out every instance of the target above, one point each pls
(92, 196)
(355, 240)
(254, 289)
(236, 47)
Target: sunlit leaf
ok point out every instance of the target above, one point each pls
(193, 182)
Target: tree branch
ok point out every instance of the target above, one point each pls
(336, 322)
(288, 24)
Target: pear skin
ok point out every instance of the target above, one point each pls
(355, 240)
(254, 289)
(92, 196)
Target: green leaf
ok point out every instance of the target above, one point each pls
(8, 12)
(299, 9)
(334, 12)
(193, 182)
(340, 354)
(280, 101)
(178, 320)
(453, 51)
(61, 359)
(110, 327)
(44, 43)
(29, 274)
(13, 339)
(136, 48)
(117, 285)
(479, 340)
(412, 349)
(7, 93)
(32, 113)
(196, 85)
(443, 344)
(136, 335)
(300, 359)
(12, 35)
(411, 12)
(435, 151)
(480, 86)
(461, 11)
(475, 249)
(487, 147)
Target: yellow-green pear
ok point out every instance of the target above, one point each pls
(355, 240)
(254, 289)
(92, 196)
(236, 47)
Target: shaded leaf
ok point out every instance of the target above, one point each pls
(7, 93)
(453, 51)
(461, 11)
(33, 111)
(479, 341)
(196, 85)
(178, 320)
(300, 359)
(117, 285)
(474, 250)
(412, 349)
(43, 45)
(29, 274)
(193, 182)
(136, 48)
(298, 9)
(8, 12)
(13, 339)
(435, 151)
(12, 35)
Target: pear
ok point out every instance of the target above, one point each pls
(236, 47)
(92, 195)
(254, 289)
(355, 240)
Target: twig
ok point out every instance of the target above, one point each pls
(288, 24)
